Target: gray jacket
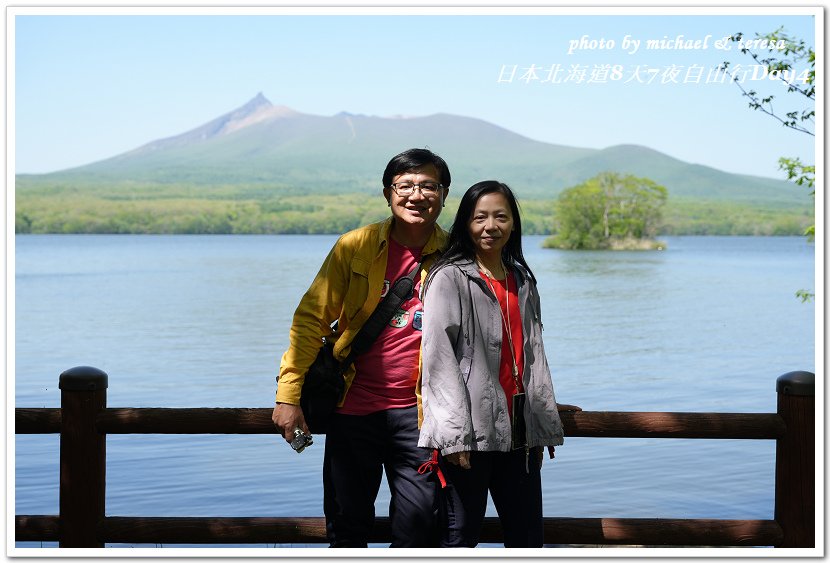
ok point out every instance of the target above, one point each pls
(465, 407)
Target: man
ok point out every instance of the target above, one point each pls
(375, 427)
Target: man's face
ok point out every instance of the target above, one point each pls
(418, 208)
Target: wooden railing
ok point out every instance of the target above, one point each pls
(84, 421)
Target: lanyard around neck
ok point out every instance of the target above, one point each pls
(488, 278)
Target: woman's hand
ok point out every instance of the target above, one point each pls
(459, 458)
(564, 407)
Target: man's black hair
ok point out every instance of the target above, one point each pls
(412, 159)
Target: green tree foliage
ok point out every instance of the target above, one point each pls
(802, 175)
(781, 58)
(291, 215)
(719, 218)
(781, 55)
(608, 211)
(179, 212)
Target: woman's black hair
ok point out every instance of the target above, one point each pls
(461, 246)
(412, 159)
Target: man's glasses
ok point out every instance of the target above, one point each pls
(406, 189)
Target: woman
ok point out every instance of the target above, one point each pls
(488, 400)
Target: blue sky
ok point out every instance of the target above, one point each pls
(87, 87)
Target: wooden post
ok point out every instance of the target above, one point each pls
(795, 460)
(82, 456)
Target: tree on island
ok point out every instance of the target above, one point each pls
(609, 211)
(780, 63)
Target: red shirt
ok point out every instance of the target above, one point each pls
(503, 288)
(386, 373)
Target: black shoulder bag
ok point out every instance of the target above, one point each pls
(324, 384)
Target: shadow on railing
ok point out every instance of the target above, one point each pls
(83, 421)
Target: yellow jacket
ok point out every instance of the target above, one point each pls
(354, 270)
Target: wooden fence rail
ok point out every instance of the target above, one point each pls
(84, 421)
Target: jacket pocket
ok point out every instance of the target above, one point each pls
(358, 292)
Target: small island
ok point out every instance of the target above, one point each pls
(609, 212)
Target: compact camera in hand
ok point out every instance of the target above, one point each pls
(301, 440)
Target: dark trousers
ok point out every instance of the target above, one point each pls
(517, 496)
(358, 449)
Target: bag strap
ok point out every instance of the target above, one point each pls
(374, 325)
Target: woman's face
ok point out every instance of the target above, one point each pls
(491, 224)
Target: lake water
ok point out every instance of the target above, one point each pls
(201, 321)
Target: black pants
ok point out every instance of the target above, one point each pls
(517, 495)
(358, 449)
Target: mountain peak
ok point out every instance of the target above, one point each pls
(257, 102)
(257, 109)
(260, 98)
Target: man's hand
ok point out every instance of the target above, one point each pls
(459, 458)
(288, 417)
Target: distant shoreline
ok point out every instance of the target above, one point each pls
(337, 213)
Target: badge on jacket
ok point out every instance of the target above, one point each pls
(399, 319)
